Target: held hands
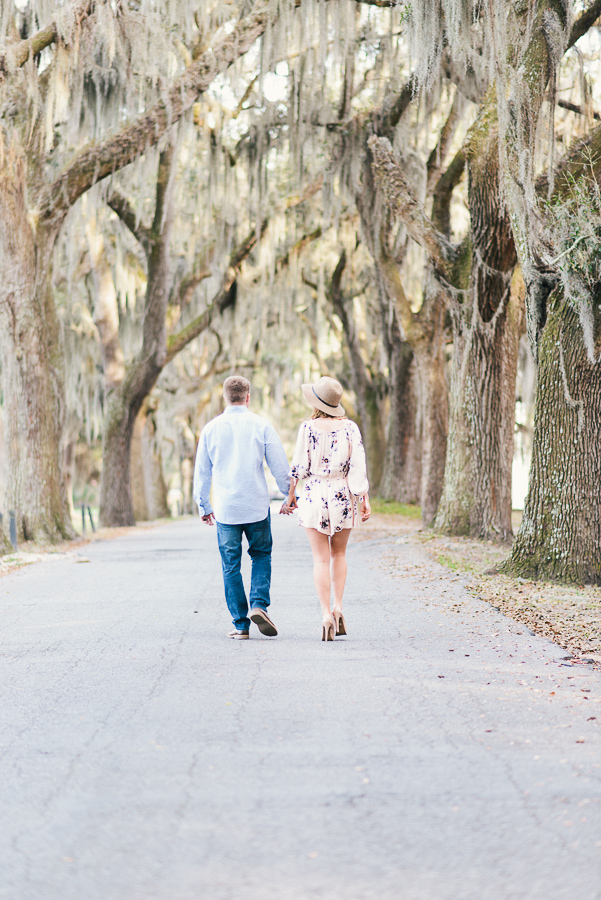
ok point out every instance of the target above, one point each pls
(365, 508)
(288, 506)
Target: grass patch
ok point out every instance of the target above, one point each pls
(393, 508)
(453, 564)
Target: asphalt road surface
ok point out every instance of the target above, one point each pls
(439, 751)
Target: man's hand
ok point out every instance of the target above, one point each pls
(209, 520)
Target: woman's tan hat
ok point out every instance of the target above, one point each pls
(325, 395)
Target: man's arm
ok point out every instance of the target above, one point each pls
(203, 470)
(277, 459)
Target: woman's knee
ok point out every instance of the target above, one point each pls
(321, 559)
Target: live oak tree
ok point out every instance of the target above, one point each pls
(486, 309)
(128, 383)
(557, 238)
(42, 176)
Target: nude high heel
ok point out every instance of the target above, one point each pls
(339, 621)
(328, 629)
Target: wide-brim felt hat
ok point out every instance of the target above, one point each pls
(325, 395)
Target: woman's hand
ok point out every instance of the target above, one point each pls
(365, 508)
(288, 506)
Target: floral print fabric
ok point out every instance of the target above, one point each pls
(332, 466)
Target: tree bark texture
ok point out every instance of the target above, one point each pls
(560, 535)
(487, 322)
(559, 538)
(31, 366)
(476, 498)
(149, 492)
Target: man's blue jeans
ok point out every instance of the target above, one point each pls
(229, 538)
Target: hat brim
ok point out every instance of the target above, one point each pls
(316, 403)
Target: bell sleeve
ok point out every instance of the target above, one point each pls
(357, 475)
(301, 458)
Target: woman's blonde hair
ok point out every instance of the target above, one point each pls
(320, 414)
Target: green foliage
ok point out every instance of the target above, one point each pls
(405, 13)
(393, 508)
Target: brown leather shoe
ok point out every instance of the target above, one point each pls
(263, 622)
(238, 635)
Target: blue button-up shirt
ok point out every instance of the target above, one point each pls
(231, 451)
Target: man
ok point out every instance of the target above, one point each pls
(231, 451)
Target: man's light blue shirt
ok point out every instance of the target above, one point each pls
(231, 452)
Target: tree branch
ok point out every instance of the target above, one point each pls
(584, 156)
(190, 283)
(584, 21)
(15, 56)
(389, 114)
(121, 205)
(344, 312)
(573, 107)
(225, 297)
(97, 161)
(164, 178)
(393, 284)
(443, 192)
(391, 180)
(437, 156)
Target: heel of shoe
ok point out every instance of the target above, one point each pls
(328, 630)
(339, 622)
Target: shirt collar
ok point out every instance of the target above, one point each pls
(235, 409)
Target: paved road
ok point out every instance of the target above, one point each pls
(432, 755)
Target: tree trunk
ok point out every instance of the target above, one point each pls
(139, 481)
(123, 405)
(126, 397)
(31, 367)
(5, 546)
(149, 492)
(434, 404)
(401, 476)
(487, 324)
(476, 498)
(560, 535)
(372, 429)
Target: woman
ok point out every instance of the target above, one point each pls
(330, 459)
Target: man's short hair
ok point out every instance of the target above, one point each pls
(235, 389)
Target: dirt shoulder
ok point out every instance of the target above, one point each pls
(569, 616)
(28, 552)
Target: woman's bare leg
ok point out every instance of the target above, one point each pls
(338, 544)
(320, 545)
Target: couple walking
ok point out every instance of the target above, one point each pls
(329, 459)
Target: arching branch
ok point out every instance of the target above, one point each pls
(399, 196)
(97, 161)
(224, 298)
